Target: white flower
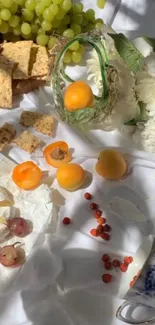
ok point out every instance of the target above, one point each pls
(145, 135)
(126, 107)
(145, 88)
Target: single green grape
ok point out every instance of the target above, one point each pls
(67, 5)
(74, 46)
(60, 30)
(98, 25)
(46, 25)
(60, 15)
(42, 39)
(28, 15)
(68, 33)
(56, 23)
(66, 20)
(17, 30)
(84, 21)
(48, 15)
(54, 9)
(4, 27)
(76, 28)
(90, 15)
(30, 5)
(7, 3)
(52, 41)
(89, 27)
(77, 19)
(81, 49)
(67, 57)
(5, 14)
(40, 31)
(101, 3)
(34, 28)
(39, 9)
(76, 57)
(99, 20)
(25, 28)
(77, 8)
(20, 2)
(14, 21)
(14, 8)
(28, 37)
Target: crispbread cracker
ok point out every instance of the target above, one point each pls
(27, 141)
(41, 122)
(6, 68)
(28, 118)
(38, 66)
(44, 124)
(7, 133)
(25, 86)
(19, 53)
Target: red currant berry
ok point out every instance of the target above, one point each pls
(107, 278)
(88, 196)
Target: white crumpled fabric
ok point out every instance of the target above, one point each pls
(61, 281)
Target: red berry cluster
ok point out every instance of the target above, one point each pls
(102, 229)
(110, 264)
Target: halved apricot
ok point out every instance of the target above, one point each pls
(27, 175)
(57, 154)
(70, 176)
(111, 164)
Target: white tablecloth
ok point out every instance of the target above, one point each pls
(40, 297)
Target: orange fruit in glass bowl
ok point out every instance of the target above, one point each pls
(70, 176)
(27, 175)
(111, 164)
(57, 154)
(78, 95)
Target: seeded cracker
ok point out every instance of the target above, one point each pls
(28, 118)
(41, 122)
(6, 68)
(44, 124)
(7, 133)
(38, 66)
(27, 141)
(25, 86)
(19, 53)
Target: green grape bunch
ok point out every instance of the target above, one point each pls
(44, 20)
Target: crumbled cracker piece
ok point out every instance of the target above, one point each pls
(19, 53)
(27, 141)
(6, 69)
(38, 66)
(44, 124)
(25, 86)
(41, 122)
(28, 118)
(7, 133)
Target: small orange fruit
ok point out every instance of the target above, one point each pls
(111, 164)
(70, 176)
(27, 175)
(78, 95)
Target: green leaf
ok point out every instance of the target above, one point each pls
(129, 53)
